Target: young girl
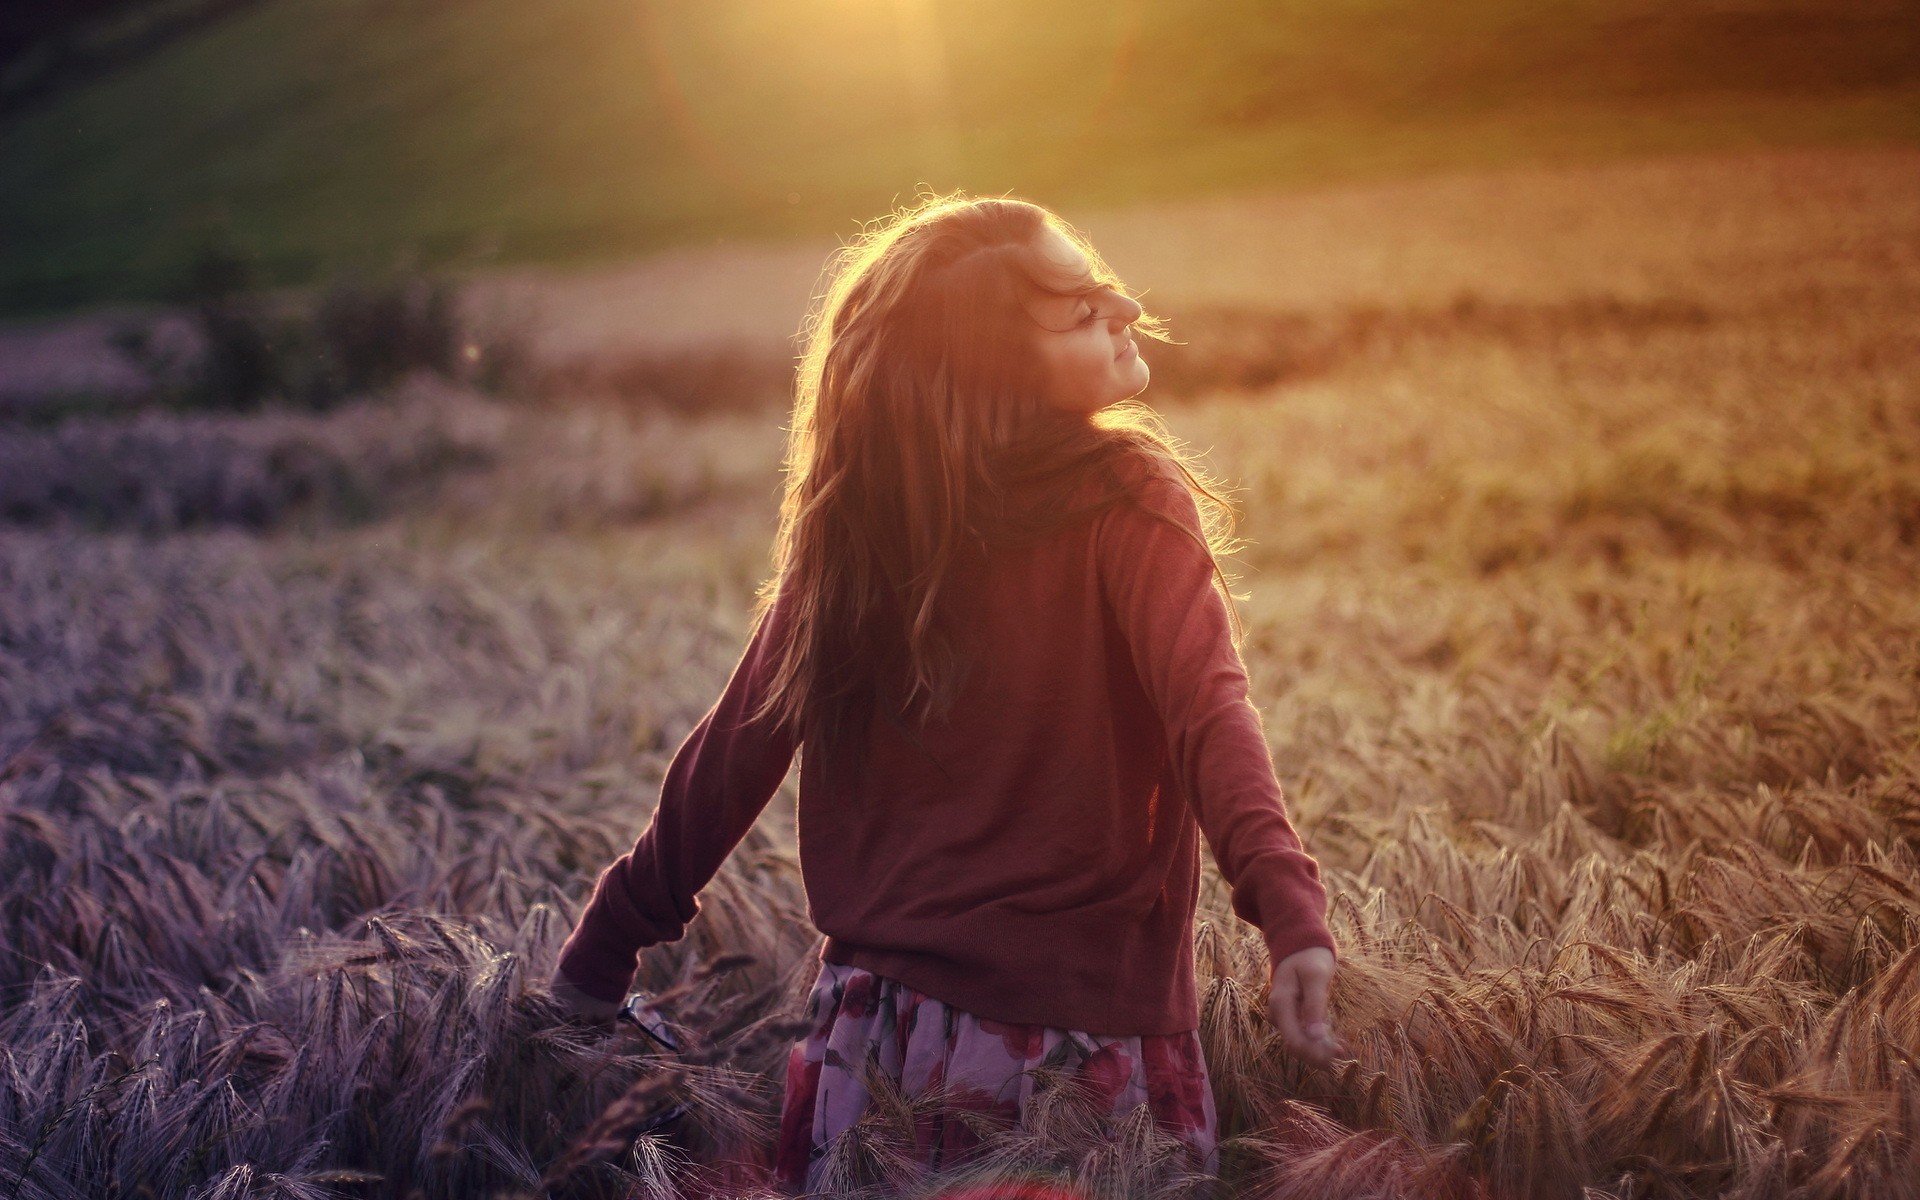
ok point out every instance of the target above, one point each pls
(995, 627)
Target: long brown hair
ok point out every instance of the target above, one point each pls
(920, 441)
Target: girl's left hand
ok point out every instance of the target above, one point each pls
(1297, 1003)
(578, 1004)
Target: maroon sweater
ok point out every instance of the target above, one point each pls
(1036, 858)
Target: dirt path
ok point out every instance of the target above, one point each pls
(1633, 229)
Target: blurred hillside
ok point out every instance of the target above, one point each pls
(329, 133)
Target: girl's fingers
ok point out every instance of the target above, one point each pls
(1282, 1005)
(1313, 1004)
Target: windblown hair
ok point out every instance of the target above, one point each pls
(919, 442)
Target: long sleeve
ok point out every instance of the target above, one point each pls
(1158, 582)
(720, 780)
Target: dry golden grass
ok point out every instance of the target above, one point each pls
(1583, 620)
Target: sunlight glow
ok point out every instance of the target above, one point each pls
(923, 57)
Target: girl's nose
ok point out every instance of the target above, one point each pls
(1125, 310)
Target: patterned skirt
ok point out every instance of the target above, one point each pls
(919, 1043)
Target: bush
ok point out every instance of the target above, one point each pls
(370, 332)
(362, 334)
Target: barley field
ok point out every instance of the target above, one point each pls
(1581, 601)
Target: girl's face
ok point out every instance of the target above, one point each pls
(1085, 343)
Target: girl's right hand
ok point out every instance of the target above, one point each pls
(1297, 1003)
(578, 1005)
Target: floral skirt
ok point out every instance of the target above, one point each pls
(919, 1043)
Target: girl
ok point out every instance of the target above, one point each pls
(994, 625)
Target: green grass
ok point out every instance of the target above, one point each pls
(341, 132)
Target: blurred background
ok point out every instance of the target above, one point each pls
(553, 152)
(391, 414)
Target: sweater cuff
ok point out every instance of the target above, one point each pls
(1295, 938)
(602, 972)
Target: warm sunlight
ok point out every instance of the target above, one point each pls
(923, 60)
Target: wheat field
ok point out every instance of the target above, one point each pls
(1582, 614)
